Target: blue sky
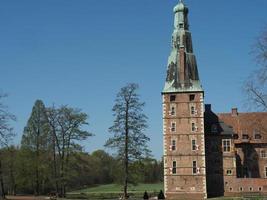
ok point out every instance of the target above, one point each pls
(82, 52)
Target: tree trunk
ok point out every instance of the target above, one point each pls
(37, 168)
(55, 164)
(126, 161)
(2, 181)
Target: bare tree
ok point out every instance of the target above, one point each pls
(66, 129)
(256, 85)
(6, 134)
(128, 129)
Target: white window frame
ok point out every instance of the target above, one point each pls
(263, 153)
(226, 146)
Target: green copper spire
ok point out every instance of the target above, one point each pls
(182, 74)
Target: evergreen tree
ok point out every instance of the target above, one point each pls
(128, 129)
(35, 141)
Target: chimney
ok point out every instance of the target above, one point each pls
(234, 112)
(207, 107)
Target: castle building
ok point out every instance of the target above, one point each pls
(206, 154)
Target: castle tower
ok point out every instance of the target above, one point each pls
(183, 117)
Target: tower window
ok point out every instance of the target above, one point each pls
(194, 165)
(193, 110)
(172, 98)
(194, 146)
(173, 126)
(226, 145)
(193, 127)
(173, 145)
(173, 167)
(241, 189)
(172, 110)
(181, 26)
(191, 97)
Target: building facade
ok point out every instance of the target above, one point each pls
(206, 154)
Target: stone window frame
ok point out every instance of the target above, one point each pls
(226, 147)
(173, 145)
(194, 145)
(230, 172)
(260, 188)
(174, 166)
(194, 127)
(173, 126)
(265, 171)
(194, 167)
(172, 111)
(241, 189)
(250, 188)
(193, 109)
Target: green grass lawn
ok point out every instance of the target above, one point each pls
(115, 188)
(113, 191)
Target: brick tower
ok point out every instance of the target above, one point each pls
(183, 117)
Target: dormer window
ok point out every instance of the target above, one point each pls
(245, 136)
(257, 135)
